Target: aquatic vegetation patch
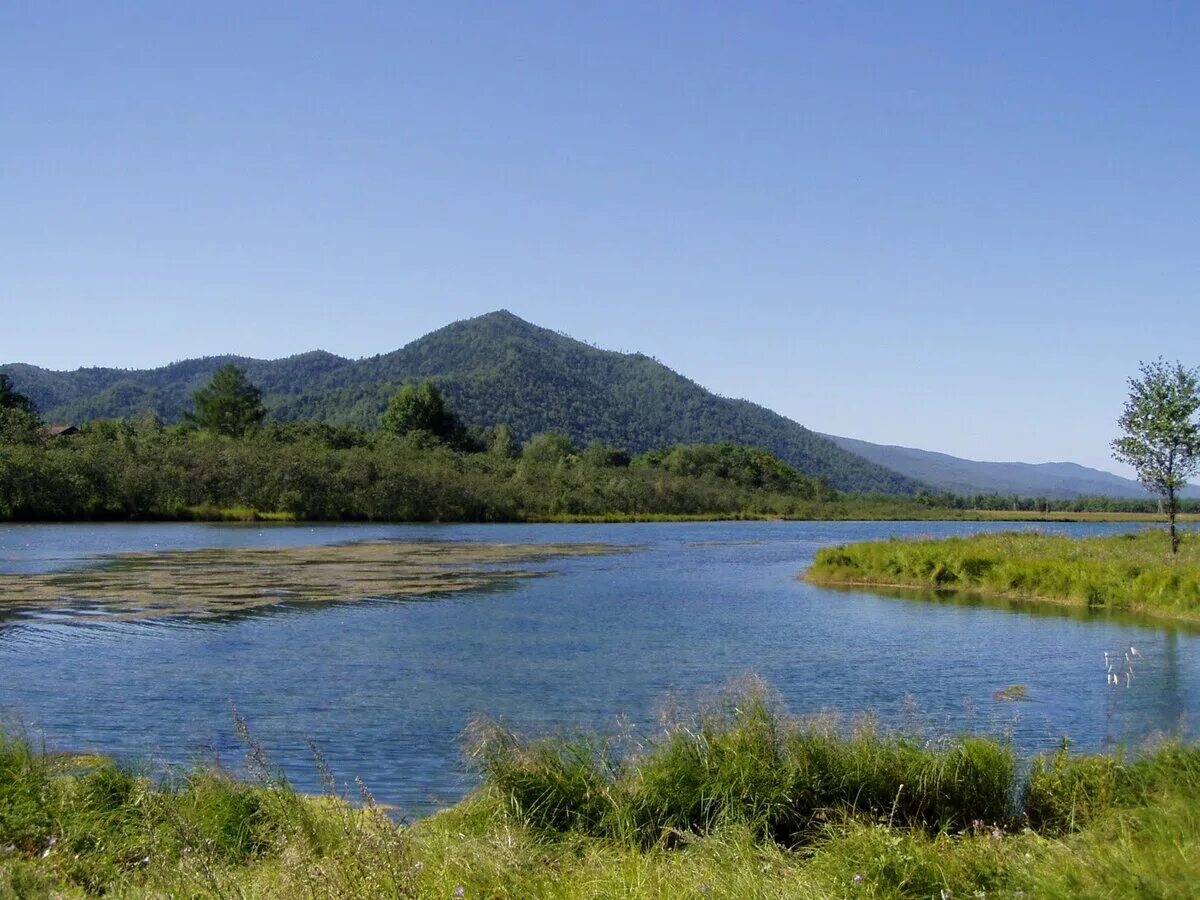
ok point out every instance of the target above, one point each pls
(211, 582)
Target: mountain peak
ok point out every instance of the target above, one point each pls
(494, 368)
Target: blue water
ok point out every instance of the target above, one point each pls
(386, 688)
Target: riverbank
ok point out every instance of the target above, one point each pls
(1133, 572)
(731, 800)
(853, 509)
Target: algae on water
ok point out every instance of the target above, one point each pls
(205, 583)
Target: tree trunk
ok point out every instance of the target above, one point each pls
(1171, 518)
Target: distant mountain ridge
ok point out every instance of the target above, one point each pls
(1053, 480)
(496, 368)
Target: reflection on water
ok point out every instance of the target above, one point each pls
(386, 687)
(1017, 606)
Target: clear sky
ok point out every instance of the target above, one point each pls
(953, 226)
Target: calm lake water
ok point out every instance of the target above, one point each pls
(385, 688)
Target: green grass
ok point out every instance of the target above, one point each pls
(1134, 572)
(736, 800)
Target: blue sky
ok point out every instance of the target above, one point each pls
(954, 226)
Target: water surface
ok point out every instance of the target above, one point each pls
(386, 687)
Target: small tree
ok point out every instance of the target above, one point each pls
(19, 422)
(420, 408)
(503, 443)
(10, 399)
(230, 405)
(1162, 434)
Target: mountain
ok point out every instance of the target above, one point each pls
(1054, 481)
(495, 368)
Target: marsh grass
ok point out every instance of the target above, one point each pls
(1134, 572)
(734, 799)
(741, 761)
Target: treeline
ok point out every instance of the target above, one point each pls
(421, 464)
(116, 469)
(1014, 503)
(495, 368)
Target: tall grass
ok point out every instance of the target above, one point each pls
(1126, 571)
(742, 761)
(95, 826)
(735, 799)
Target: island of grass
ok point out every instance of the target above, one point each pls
(736, 800)
(1134, 572)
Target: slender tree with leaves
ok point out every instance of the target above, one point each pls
(1161, 437)
(230, 405)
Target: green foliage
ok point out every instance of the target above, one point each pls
(19, 422)
(707, 809)
(419, 408)
(230, 405)
(750, 467)
(1127, 571)
(492, 369)
(742, 762)
(549, 448)
(502, 443)
(18, 426)
(94, 826)
(10, 399)
(1162, 432)
(313, 471)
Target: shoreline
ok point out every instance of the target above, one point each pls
(1160, 617)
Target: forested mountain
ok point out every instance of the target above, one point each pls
(965, 476)
(493, 369)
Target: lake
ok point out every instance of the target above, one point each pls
(385, 688)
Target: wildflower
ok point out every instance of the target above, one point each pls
(995, 834)
(705, 889)
(857, 879)
(460, 891)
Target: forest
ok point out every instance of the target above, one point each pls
(225, 460)
(421, 463)
(494, 368)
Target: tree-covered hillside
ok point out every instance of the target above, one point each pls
(493, 369)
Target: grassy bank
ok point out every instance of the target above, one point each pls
(1008, 515)
(850, 508)
(1134, 572)
(733, 800)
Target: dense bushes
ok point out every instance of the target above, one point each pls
(318, 472)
